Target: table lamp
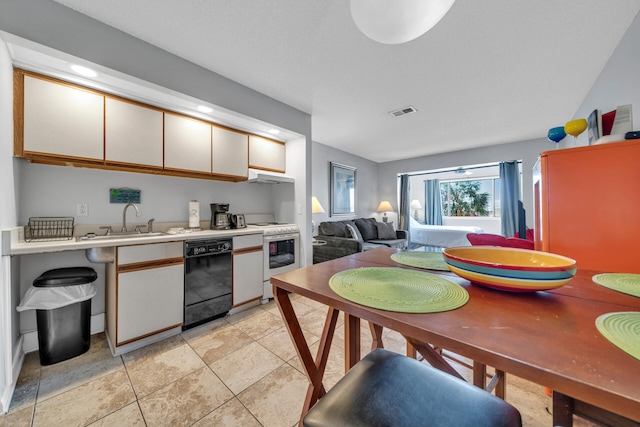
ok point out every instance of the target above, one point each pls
(415, 204)
(385, 207)
(316, 208)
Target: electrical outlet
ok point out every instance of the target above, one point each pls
(82, 209)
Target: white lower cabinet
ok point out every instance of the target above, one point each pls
(149, 301)
(247, 268)
(144, 295)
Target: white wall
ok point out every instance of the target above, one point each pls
(618, 84)
(8, 316)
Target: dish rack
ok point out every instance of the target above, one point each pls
(48, 228)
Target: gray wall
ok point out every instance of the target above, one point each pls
(527, 151)
(55, 190)
(366, 180)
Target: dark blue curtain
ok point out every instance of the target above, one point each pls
(509, 197)
(433, 202)
(403, 210)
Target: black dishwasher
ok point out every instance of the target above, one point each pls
(207, 280)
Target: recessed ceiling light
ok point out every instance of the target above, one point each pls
(204, 109)
(273, 131)
(83, 71)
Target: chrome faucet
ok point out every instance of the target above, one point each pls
(124, 216)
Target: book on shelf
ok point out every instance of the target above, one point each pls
(594, 126)
(611, 126)
(623, 122)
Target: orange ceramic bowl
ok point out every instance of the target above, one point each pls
(509, 268)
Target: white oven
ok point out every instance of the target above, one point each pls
(281, 254)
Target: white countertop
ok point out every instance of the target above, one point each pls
(13, 242)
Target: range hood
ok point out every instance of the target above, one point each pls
(267, 177)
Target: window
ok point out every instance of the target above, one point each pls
(478, 197)
(467, 191)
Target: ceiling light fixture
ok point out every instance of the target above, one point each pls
(397, 21)
(462, 171)
(83, 71)
(204, 109)
(273, 131)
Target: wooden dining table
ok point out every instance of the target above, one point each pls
(547, 337)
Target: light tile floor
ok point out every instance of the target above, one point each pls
(237, 371)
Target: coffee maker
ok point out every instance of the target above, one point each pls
(219, 217)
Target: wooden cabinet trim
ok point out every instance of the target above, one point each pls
(146, 265)
(18, 112)
(247, 250)
(121, 343)
(245, 302)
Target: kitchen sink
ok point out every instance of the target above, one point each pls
(94, 237)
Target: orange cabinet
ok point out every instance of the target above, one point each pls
(587, 205)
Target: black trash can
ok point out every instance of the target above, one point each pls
(64, 332)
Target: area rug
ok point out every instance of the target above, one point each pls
(398, 289)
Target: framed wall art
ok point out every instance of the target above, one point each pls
(343, 190)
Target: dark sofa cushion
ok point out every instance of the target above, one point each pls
(333, 228)
(368, 228)
(385, 231)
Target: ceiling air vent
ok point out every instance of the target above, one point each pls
(403, 111)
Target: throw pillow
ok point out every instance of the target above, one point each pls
(353, 233)
(386, 231)
(368, 228)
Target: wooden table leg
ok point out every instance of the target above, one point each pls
(562, 410)
(314, 368)
(411, 351)
(433, 356)
(351, 341)
(479, 374)
(376, 336)
(498, 383)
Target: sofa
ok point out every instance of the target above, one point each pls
(336, 239)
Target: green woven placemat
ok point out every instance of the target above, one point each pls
(622, 329)
(428, 260)
(627, 283)
(397, 289)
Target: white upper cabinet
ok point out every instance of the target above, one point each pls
(266, 154)
(230, 152)
(133, 134)
(187, 144)
(63, 120)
